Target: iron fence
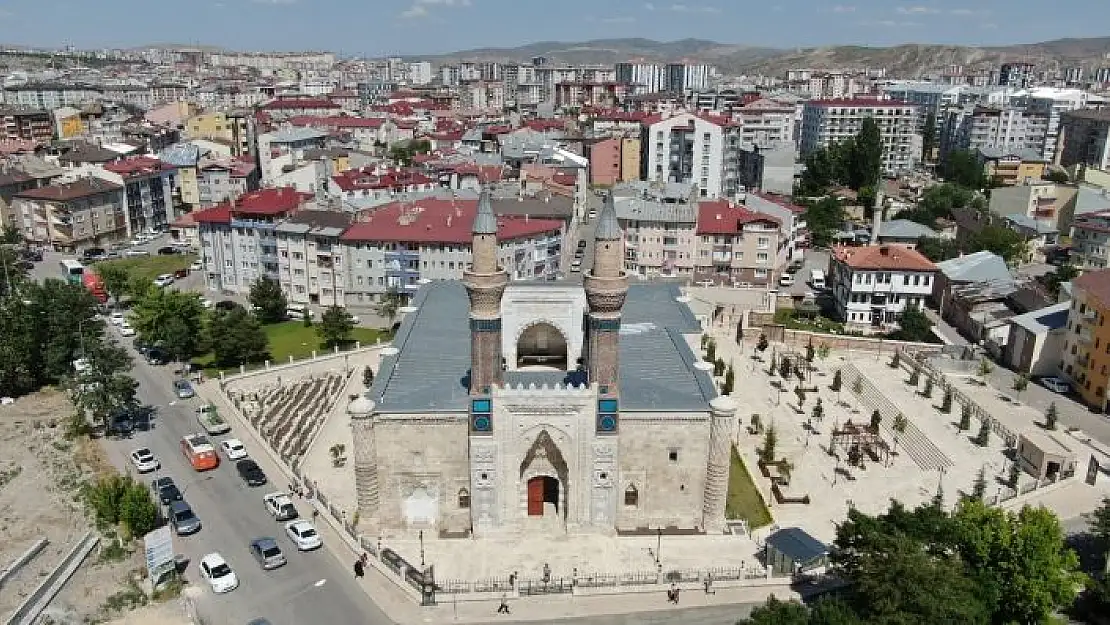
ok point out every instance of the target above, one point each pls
(639, 578)
(598, 581)
(554, 586)
(725, 574)
(682, 575)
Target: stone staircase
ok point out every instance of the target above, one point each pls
(288, 417)
(913, 442)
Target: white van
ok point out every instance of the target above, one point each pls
(817, 278)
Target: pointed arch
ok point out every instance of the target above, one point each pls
(631, 496)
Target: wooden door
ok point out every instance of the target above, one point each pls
(535, 496)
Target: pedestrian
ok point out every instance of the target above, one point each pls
(504, 607)
(709, 585)
(676, 591)
(315, 514)
(360, 569)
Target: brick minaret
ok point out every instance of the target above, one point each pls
(485, 283)
(606, 286)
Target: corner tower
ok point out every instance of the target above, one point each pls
(606, 287)
(485, 284)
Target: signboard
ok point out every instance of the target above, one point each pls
(158, 548)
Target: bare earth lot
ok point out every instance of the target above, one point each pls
(40, 477)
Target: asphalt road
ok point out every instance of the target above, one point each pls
(232, 514)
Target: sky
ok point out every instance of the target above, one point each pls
(414, 27)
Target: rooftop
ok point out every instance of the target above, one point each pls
(857, 102)
(138, 167)
(981, 266)
(1095, 284)
(905, 229)
(1044, 320)
(720, 217)
(656, 369)
(883, 257)
(796, 544)
(65, 192)
(436, 220)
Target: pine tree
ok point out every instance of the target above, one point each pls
(1015, 473)
(928, 392)
(895, 360)
(1050, 417)
(857, 386)
(836, 382)
(811, 351)
(770, 441)
(762, 343)
(979, 488)
(785, 368)
(946, 403)
(876, 419)
(801, 393)
(915, 378)
(965, 418)
(818, 411)
(984, 435)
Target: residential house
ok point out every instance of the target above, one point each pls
(873, 285)
(26, 124)
(150, 186)
(1036, 340)
(72, 216)
(793, 231)
(735, 245)
(1011, 167)
(659, 222)
(22, 173)
(614, 160)
(904, 232)
(185, 157)
(284, 149)
(225, 179)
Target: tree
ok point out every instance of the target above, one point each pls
(811, 351)
(937, 249)
(801, 394)
(367, 376)
(1021, 381)
(899, 426)
(719, 366)
(984, 435)
(139, 285)
(306, 316)
(864, 167)
(979, 487)
(770, 442)
(896, 360)
(390, 306)
(1098, 522)
(711, 350)
(730, 380)
(1058, 176)
(170, 319)
(927, 392)
(137, 511)
(913, 325)
(335, 326)
(270, 303)
(836, 382)
(785, 367)
(915, 378)
(1014, 476)
(12, 273)
(876, 420)
(857, 385)
(237, 338)
(105, 497)
(776, 612)
(762, 344)
(946, 402)
(818, 411)
(824, 218)
(965, 418)
(11, 235)
(1002, 241)
(1063, 274)
(985, 368)
(1050, 417)
(962, 168)
(115, 278)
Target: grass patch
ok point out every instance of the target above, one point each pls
(292, 338)
(743, 500)
(150, 267)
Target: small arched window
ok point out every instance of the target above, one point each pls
(631, 496)
(464, 498)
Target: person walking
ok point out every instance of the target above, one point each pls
(360, 569)
(504, 607)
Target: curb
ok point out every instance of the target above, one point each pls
(36, 602)
(22, 560)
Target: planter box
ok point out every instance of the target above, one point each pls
(212, 422)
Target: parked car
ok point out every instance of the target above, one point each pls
(183, 389)
(786, 280)
(134, 253)
(165, 491)
(168, 250)
(196, 266)
(266, 551)
(156, 356)
(180, 273)
(280, 506)
(120, 424)
(144, 460)
(218, 573)
(164, 280)
(250, 472)
(182, 518)
(94, 253)
(206, 303)
(125, 329)
(1056, 385)
(233, 448)
(303, 534)
(117, 318)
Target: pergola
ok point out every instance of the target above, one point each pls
(856, 436)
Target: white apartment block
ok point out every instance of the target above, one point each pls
(1008, 129)
(1052, 103)
(687, 148)
(1090, 240)
(826, 122)
(420, 73)
(766, 123)
(310, 258)
(660, 228)
(873, 285)
(642, 77)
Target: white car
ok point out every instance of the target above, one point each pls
(218, 572)
(117, 318)
(125, 329)
(303, 534)
(137, 241)
(145, 461)
(234, 449)
(1056, 385)
(786, 280)
(280, 506)
(164, 280)
(132, 253)
(207, 303)
(196, 266)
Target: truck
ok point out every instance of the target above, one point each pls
(210, 419)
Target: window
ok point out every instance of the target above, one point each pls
(631, 496)
(464, 498)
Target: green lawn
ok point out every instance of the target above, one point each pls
(151, 267)
(292, 338)
(743, 500)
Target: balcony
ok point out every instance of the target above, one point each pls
(1085, 337)
(1090, 315)
(722, 257)
(252, 223)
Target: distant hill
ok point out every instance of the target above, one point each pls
(908, 60)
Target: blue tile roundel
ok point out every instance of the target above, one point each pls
(607, 423)
(482, 423)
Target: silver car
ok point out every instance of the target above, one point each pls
(267, 552)
(182, 518)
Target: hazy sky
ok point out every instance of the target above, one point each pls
(381, 27)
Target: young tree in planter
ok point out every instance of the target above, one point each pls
(762, 344)
(711, 350)
(704, 340)
(823, 351)
(855, 455)
(984, 435)
(1050, 417)
(985, 368)
(770, 441)
(818, 411)
(730, 380)
(1020, 384)
(719, 367)
(965, 418)
(979, 488)
(811, 351)
(876, 419)
(915, 378)
(367, 376)
(895, 360)
(899, 427)
(928, 391)
(946, 403)
(799, 371)
(1015, 474)
(836, 382)
(785, 367)
(773, 364)
(801, 393)
(857, 386)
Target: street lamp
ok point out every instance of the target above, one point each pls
(421, 550)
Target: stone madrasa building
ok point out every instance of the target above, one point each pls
(543, 407)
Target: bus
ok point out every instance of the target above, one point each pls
(72, 270)
(199, 452)
(95, 286)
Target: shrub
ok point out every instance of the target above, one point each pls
(946, 403)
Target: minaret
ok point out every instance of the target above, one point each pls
(606, 286)
(485, 284)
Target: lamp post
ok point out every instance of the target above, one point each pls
(658, 544)
(421, 550)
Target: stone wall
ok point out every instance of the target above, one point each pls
(670, 492)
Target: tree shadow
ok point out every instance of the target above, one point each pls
(1086, 546)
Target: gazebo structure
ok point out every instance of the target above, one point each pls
(791, 551)
(856, 436)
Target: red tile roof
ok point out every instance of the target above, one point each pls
(883, 257)
(439, 221)
(270, 201)
(865, 102)
(358, 179)
(718, 120)
(138, 167)
(546, 124)
(219, 214)
(338, 121)
(720, 217)
(65, 192)
(781, 201)
(286, 104)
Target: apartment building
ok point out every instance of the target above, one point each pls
(398, 246)
(766, 123)
(310, 258)
(793, 230)
(614, 160)
(1008, 129)
(1090, 240)
(1086, 354)
(873, 285)
(239, 240)
(735, 245)
(1020, 75)
(285, 148)
(235, 128)
(770, 170)
(223, 180)
(826, 122)
(693, 148)
(22, 173)
(659, 222)
(149, 185)
(49, 95)
(72, 216)
(642, 77)
(1052, 103)
(1084, 139)
(26, 125)
(1011, 167)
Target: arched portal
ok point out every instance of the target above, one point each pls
(542, 344)
(543, 495)
(544, 478)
